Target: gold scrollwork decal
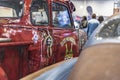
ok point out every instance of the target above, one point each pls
(49, 42)
(68, 53)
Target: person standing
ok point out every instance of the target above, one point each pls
(100, 19)
(84, 22)
(92, 25)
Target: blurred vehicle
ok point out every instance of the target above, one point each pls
(99, 60)
(35, 34)
(100, 57)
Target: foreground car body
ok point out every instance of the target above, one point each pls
(100, 58)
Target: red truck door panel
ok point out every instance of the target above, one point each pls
(65, 40)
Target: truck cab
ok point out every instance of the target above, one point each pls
(35, 34)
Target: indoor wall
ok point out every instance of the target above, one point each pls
(100, 7)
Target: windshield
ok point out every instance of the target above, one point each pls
(11, 8)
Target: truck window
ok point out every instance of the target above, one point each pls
(39, 12)
(60, 16)
(11, 8)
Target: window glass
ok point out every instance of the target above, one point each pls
(110, 29)
(60, 16)
(12, 8)
(39, 12)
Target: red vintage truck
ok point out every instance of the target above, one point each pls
(35, 34)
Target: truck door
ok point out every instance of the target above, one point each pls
(54, 35)
(64, 34)
(41, 51)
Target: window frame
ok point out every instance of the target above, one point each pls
(22, 13)
(67, 8)
(47, 13)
